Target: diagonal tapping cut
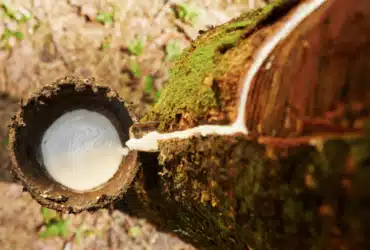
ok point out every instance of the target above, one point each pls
(149, 142)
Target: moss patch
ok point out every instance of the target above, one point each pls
(188, 90)
(225, 193)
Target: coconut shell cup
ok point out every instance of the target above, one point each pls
(37, 113)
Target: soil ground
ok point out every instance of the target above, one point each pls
(90, 39)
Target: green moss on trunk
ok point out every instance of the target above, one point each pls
(233, 192)
(226, 193)
(189, 90)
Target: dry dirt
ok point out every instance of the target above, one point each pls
(64, 38)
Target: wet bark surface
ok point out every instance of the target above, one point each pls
(65, 38)
(316, 80)
(300, 188)
(300, 179)
(234, 193)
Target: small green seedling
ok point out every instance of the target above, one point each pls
(186, 13)
(157, 95)
(106, 43)
(149, 88)
(20, 15)
(8, 34)
(5, 39)
(54, 224)
(148, 84)
(9, 11)
(134, 68)
(105, 18)
(135, 231)
(173, 50)
(19, 35)
(136, 47)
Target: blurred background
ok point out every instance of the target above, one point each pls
(128, 44)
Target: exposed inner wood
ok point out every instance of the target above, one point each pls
(316, 76)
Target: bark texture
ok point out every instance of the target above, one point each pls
(300, 180)
(234, 193)
(205, 81)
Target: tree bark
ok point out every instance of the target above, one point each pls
(300, 179)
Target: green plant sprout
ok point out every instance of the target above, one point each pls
(149, 88)
(7, 35)
(186, 13)
(105, 18)
(54, 224)
(148, 84)
(136, 47)
(106, 43)
(157, 95)
(172, 50)
(135, 231)
(134, 68)
(20, 15)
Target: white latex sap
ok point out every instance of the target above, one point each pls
(149, 142)
(82, 150)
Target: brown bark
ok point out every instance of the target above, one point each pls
(316, 75)
(300, 180)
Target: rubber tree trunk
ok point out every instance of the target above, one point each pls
(301, 178)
